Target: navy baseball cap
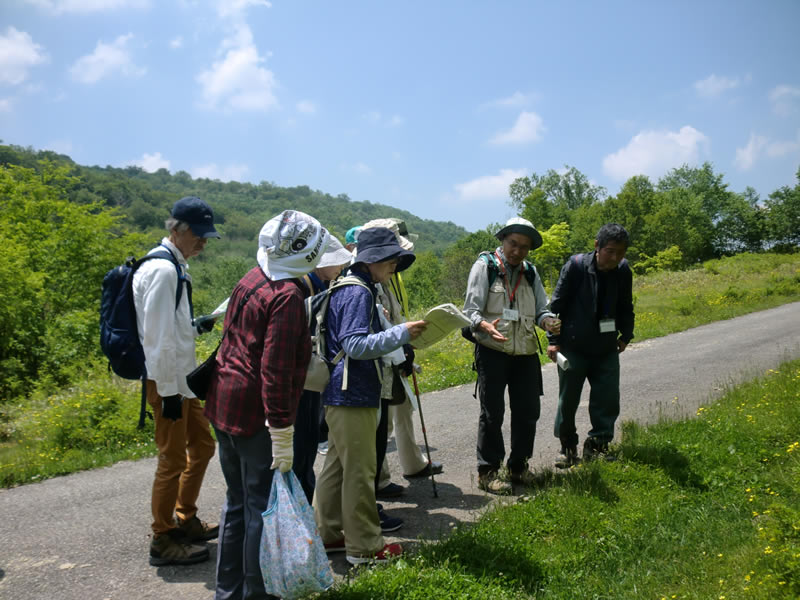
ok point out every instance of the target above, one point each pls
(197, 214)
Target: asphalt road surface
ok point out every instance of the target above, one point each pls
(86, 536)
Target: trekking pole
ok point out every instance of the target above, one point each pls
(424, 432)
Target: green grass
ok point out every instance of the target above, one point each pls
(704, 508)
(93, 422)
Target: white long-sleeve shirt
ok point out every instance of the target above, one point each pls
(166, 334)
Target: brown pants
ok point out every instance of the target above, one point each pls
(185, 448)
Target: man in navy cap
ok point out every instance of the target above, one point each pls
(162, 294)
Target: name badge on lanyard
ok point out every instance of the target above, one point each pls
(608, 325)
(510, 314)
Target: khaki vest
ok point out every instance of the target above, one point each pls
(522, 337)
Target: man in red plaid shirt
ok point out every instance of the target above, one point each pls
(252, 401)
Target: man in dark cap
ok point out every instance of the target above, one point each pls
(505, 301)
(162, 294)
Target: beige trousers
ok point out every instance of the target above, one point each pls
(344, 498)
(185, 448)
(412, 460)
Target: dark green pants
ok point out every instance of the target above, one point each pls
(603, 375)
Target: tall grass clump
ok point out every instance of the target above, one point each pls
(91, 424)
(704, 508)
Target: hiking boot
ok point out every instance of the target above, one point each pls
(337, 546)
(388, 524)
(490, 482)
(171, 548)
(593, 448)
(195, 530)
(387, 552)
(523, 477)
(390, 491)
(568, 457)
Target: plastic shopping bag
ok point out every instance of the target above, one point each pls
(292, 556)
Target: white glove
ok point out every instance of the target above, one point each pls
(282, 447)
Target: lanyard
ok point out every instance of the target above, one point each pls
(511, 293)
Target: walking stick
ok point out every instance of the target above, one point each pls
(424, 432)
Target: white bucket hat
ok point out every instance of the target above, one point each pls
(291, 244)
(523, 226)
(398, 228)
(335, 255)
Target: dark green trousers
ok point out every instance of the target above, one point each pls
(603, 375)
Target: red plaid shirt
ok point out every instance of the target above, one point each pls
(262, 362)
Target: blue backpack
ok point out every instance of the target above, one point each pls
(119, 334)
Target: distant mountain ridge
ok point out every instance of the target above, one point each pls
(240, 208)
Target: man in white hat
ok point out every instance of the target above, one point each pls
(505, 301)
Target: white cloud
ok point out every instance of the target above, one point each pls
(237, 81)
(653, 153)
(58, 7)
(18, 53)
(376, 118)
(151, 162)
(528, 128)
(785, 99)
(5, 105)
(714, 85)
(359, 168)
(236, 8)
(759, 145)
(488, 187)
(176, 42)
(225, 173)
(515, 100)
(106, 60)
(746, 157)
(306, 107)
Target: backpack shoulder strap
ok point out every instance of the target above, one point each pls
(167, 254)
(491, 264)
(530, 272)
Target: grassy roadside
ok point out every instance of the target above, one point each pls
(93, 423)
(704, 508)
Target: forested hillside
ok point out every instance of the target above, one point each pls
(64, 225)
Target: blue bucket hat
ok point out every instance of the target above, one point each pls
(378, 244)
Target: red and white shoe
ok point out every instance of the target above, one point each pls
(389, 551)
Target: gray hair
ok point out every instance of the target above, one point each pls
(173, 223)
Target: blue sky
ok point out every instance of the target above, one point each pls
(431, 106)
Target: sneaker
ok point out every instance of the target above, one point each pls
(524, 477)
(490, 482)
(434, 466)
(322, 448)
(568, 457)
(195, 530)
(337, 546)
(171, 549)
(388, 524)
(390, 491)
(387, 552)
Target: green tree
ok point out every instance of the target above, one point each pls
(422, 281)
(56, 253)
(458, 260)
(783, 219)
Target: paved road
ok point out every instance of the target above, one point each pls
(85, 536)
